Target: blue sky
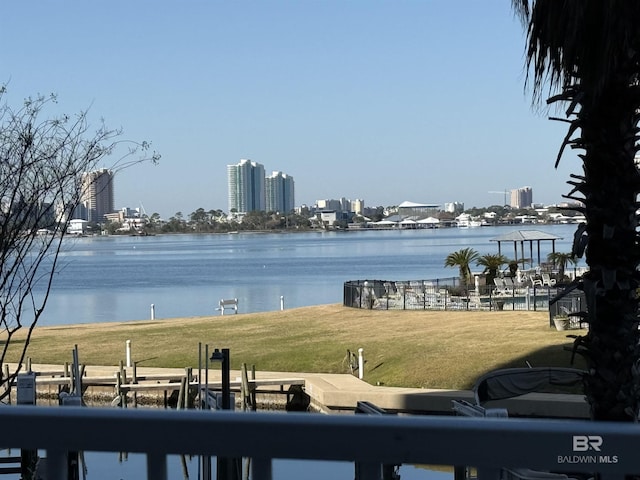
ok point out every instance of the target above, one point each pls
(381, 100)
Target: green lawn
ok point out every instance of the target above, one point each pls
(402, 348)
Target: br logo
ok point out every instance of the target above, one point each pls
(584, 443)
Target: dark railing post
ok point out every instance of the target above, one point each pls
(227, 468)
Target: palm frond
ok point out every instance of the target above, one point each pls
(577, 42)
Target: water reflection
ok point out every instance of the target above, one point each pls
(108, 466)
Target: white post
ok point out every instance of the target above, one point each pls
(281, 302)
(360, 364)
(128, 349)
(153, 312)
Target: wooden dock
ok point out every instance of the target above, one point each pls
(124, 384)
(329, 393)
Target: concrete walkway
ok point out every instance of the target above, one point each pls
(335, 393)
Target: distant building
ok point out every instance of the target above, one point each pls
(357, 206)
(129, 218)
(454, 207)
(521, 197)
(246, 184)
(77, 227)
(97, 195)
(328, 218)
(341, 205)
(279, 193)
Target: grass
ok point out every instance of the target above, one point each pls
(430, 349)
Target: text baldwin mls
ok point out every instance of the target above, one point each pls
(587, 443)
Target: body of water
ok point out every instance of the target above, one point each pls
(104, 279)
(103, 466)
(117, 278)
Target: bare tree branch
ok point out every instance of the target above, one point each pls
(42, 161)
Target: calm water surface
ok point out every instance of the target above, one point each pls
(103, 279)
(118, 278)
(106, 466)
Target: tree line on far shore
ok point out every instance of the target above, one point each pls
(216, 221)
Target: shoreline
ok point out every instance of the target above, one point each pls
(411, 349)
(323, 393)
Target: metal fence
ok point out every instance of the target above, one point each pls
(489, 444)
(444, 294)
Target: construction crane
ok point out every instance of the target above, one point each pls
(505, 192)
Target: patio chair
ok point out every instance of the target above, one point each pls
(536, 282)
(509, 284)
(547, 281)
(501, 287)
(389, 289)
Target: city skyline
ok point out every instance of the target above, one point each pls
(385, 101)
(249, 189)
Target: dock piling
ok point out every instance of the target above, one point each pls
(128, 353)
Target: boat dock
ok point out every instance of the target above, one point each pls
(328, 393)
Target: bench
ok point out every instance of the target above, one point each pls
(228, 303)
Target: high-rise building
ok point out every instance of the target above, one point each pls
(357, 206)
(246, 186)
(97, 194)
(279, 193)
(521, 197)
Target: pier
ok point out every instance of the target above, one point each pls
(325, 392)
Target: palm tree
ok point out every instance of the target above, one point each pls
(462, 259)
(491, 263)
(561, 260)
(587, 52)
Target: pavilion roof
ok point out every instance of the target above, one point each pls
(407, 204)
(525, 236)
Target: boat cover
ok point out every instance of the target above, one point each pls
(511, 382)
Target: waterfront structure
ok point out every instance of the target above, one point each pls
(77, 227)
(129, 218)
(416, 211)
(521, 197)
(97, 198)
(246, 184)
(279, 193)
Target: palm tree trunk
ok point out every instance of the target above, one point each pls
(611, 185)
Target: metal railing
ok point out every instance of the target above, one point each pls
(489, 444)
